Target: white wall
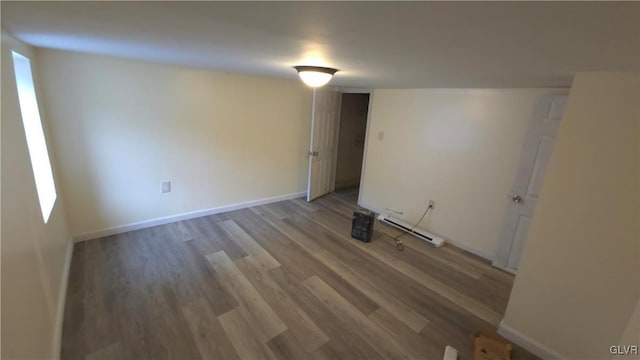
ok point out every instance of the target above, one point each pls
(459, 147)
(578, 280)
(35, 256)
(120, 127)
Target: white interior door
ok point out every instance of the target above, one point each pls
(325, 124)
(522, 200)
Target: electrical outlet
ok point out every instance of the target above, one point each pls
(432, 204)
(166, 186)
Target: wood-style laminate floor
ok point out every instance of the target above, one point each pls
(279, 281)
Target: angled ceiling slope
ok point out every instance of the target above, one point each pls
(374, 44)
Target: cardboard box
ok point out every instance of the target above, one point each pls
(491, 346)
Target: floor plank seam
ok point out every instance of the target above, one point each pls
(276, 281)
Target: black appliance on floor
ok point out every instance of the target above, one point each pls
(362, 225)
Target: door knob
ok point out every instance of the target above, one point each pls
(516, 198)
(313, 153)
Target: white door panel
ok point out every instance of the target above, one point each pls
(535, 156)
(543, 153)
(324, 142)
(521, 231)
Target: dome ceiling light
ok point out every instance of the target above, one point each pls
(315, 76)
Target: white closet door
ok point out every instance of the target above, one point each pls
(523, 198)
(325, 124)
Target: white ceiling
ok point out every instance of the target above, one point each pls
(374, 44)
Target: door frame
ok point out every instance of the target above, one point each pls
(366, 131)
(343, 90)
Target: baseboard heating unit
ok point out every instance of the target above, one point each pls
(419, 233)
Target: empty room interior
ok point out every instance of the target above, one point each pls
(320, 180)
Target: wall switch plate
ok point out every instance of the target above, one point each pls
(380, 135)
(166, 186)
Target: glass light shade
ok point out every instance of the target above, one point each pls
(315, 76)
(315, 79)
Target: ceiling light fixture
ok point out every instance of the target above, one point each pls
(315, 76)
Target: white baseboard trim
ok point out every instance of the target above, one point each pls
(505, 269)
(527, 343)
(62, 297)
(184, 216)
(468, 248)
(455, 243)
